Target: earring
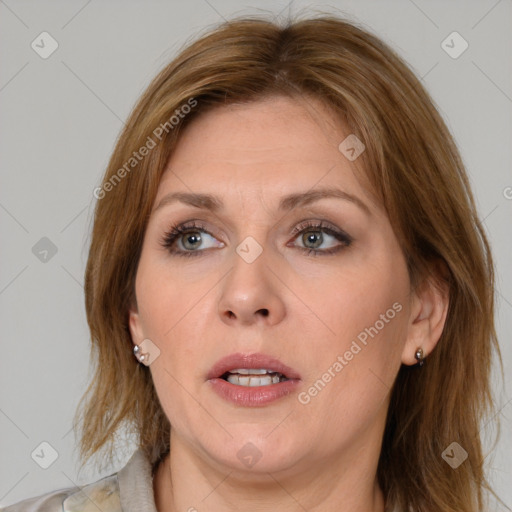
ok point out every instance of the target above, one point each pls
(419, 356)
(139, 355)
(146, 352)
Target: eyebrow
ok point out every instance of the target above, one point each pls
(215, 204)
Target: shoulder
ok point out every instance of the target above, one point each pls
(101, 495)
(128, 490)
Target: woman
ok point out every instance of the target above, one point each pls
(286, 241)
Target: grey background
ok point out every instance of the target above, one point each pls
(60, 119)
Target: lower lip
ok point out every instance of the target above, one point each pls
(256, 396)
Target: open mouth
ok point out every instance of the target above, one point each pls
(252, 380)
(250, 377)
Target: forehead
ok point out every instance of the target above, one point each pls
(263, 148)
(261, 130)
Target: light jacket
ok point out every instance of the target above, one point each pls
(128, 490)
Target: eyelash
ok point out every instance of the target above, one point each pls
(170, 237)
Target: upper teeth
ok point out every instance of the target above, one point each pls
(251, 371)
(252, 377)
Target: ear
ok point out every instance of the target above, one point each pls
(429, 308)
(135, 324)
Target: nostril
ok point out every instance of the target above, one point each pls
(264, 312)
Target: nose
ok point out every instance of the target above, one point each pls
(252, 293)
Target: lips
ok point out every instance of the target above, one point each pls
(251, 361)
(229, 380)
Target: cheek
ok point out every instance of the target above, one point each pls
(374, 341)
(171, 315)
(364, 306)
(355, 298)
(162, 298)
(178, 406)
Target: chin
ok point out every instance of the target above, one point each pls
(257, 454)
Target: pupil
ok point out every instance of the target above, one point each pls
(311, 238)
(191, 239)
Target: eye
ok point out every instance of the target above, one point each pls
(312, 236)
(190, 236)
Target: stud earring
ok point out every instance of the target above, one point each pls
(139, 355)
(419, 356)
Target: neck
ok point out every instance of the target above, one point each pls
(187, 482)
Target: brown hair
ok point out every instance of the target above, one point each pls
(414, 168)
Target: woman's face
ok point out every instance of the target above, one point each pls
(254, 274)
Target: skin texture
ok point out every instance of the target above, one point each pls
(320, 455)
